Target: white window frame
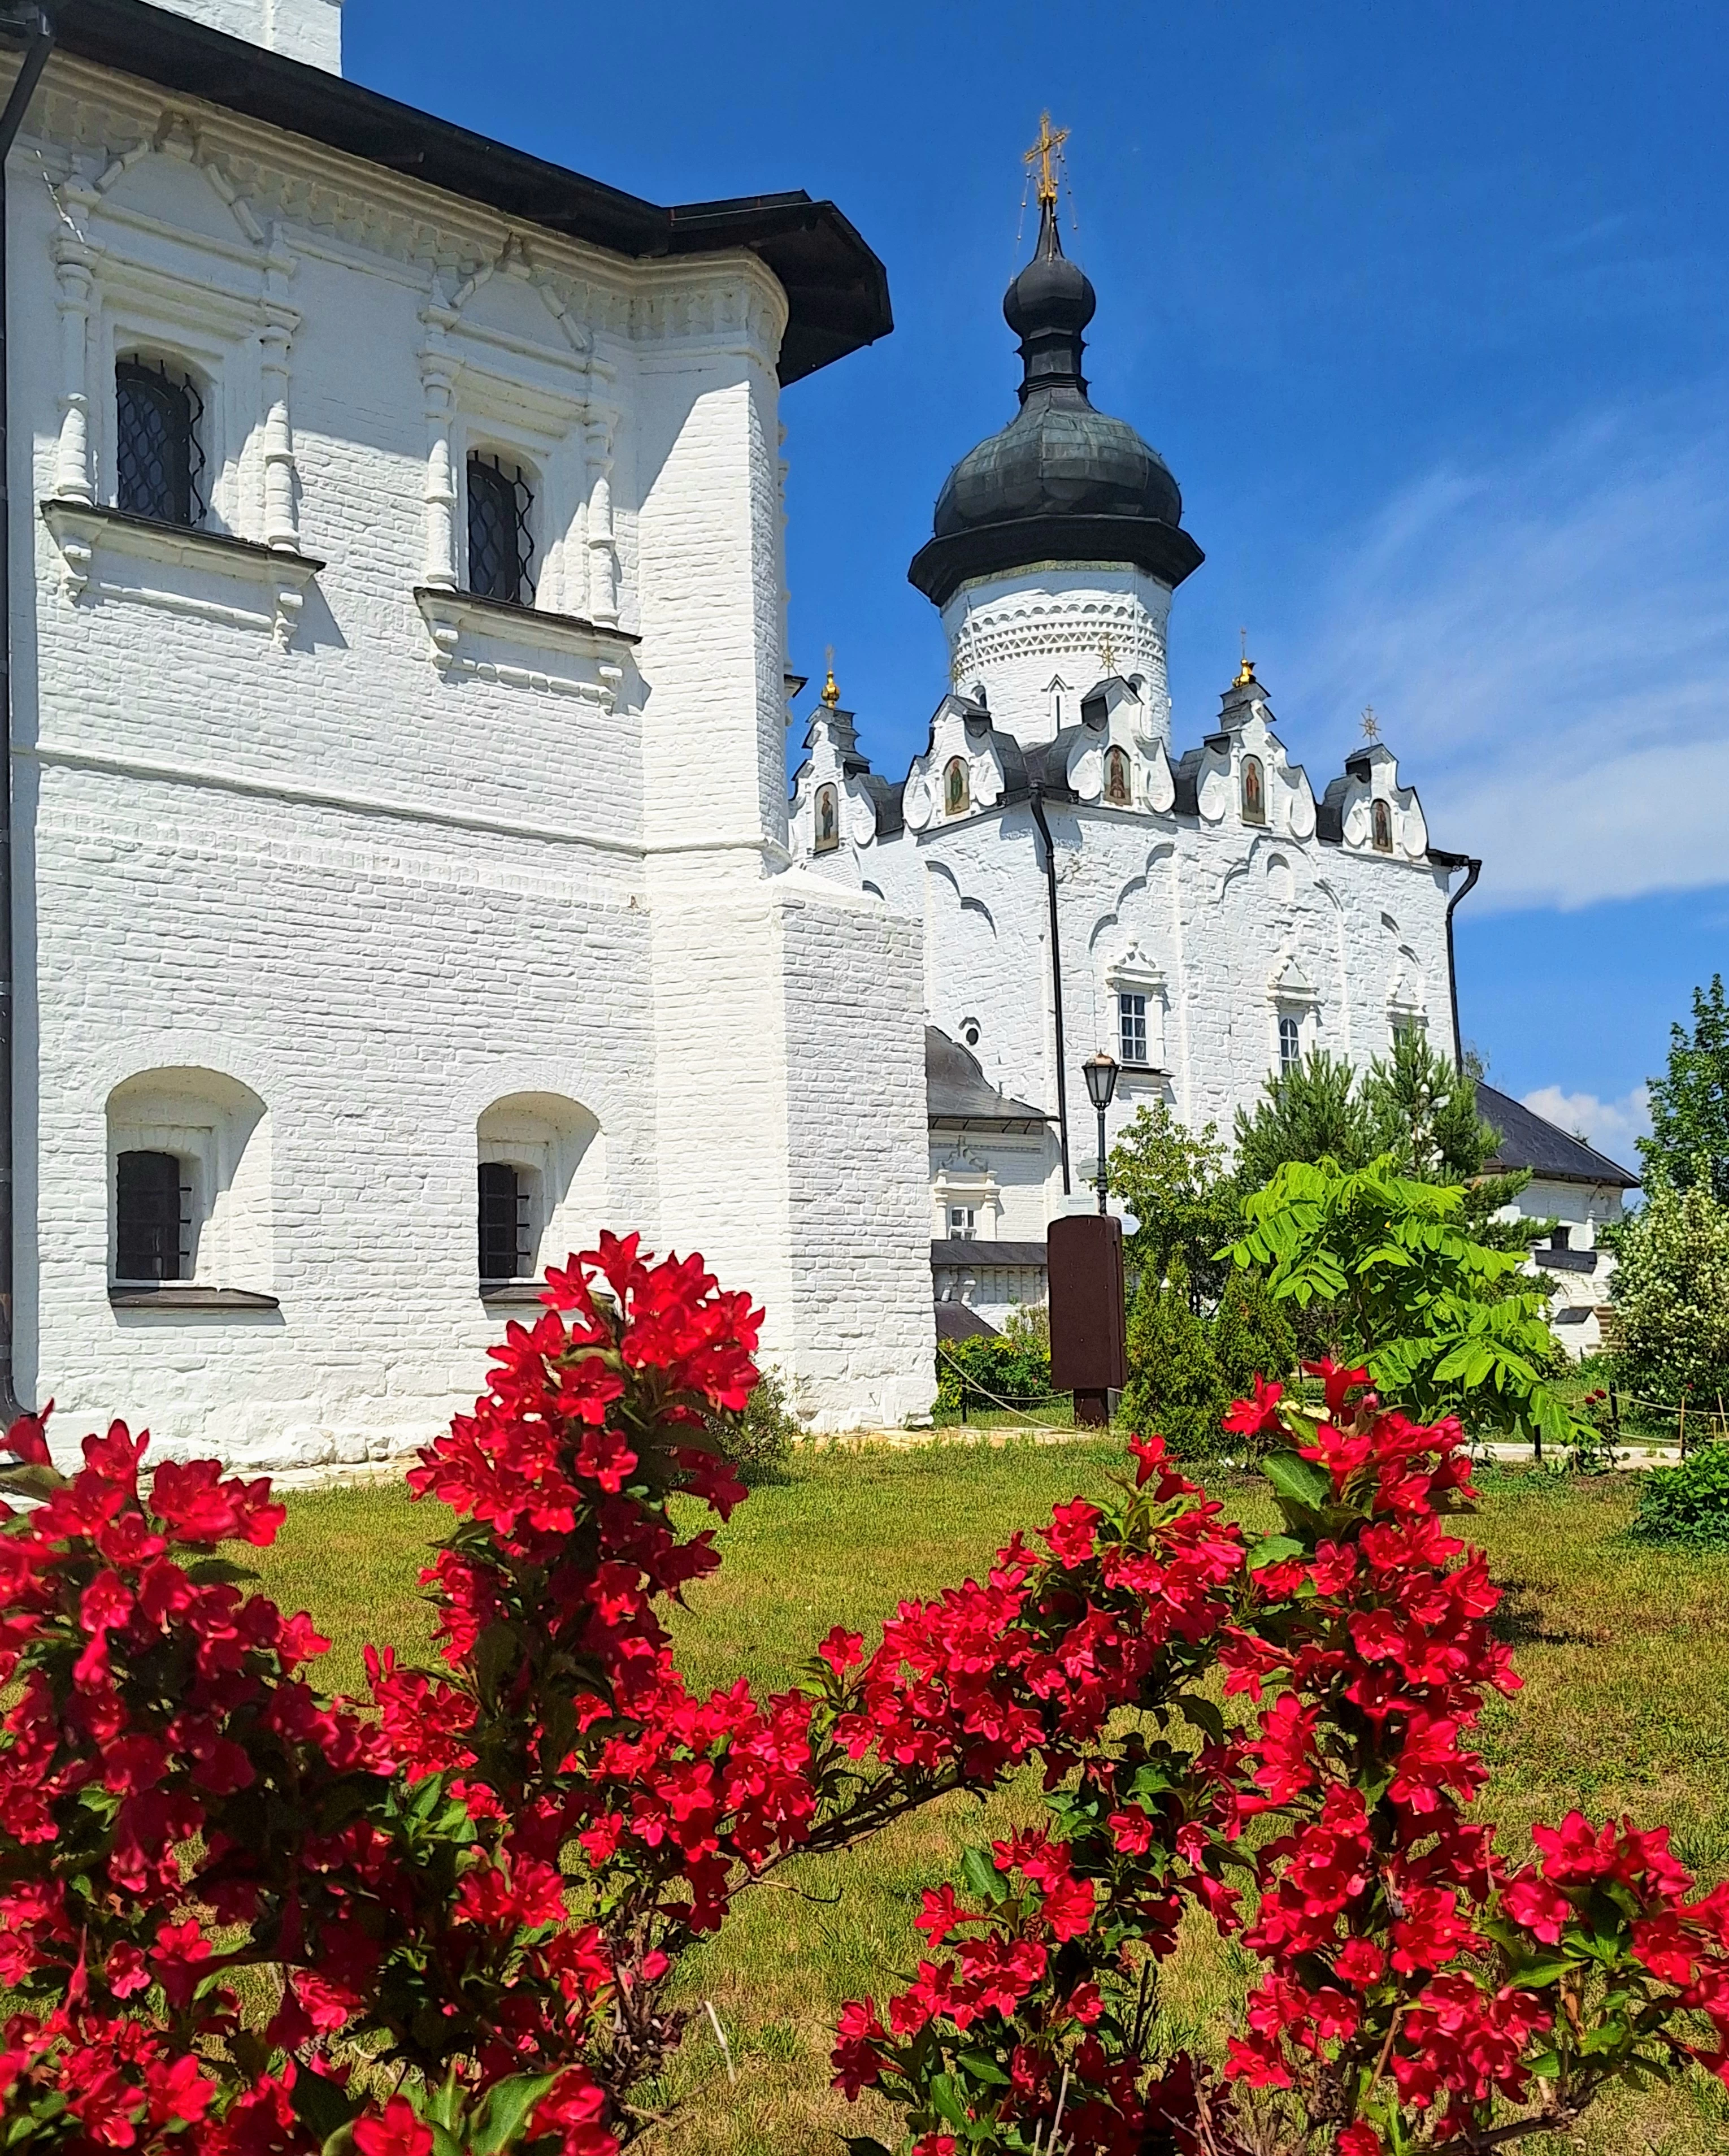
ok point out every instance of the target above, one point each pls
(962, 1223)
(1132, 1029)
(1291, 1040)
(1135, 974)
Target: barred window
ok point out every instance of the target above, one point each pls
(506, 1229)
(159, 458)
(500, 545)
(1290, 1042)
(1131, 1028)
(152, 1218)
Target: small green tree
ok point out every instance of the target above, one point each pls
(1311, 1111)
(1175, 1183)
(1252, 1335)
(1690, 1103)
(1386, 1263)
(1174, 1384)
(1421, 1109)
(1670, 1289)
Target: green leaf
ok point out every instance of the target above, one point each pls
(502, 2116)
(321, 2106)
(1547, 1969)
(1274, 1551)
(946, 2099)
(1302, 1481)
(983, 2067)
(1202, 1715)
(495, 1652)
(979, 1868)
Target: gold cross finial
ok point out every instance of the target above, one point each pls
(1371, 724)
(1245, 672)
(831, 693)
(1041, 152)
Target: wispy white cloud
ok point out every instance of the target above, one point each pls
(1611, 1126)
(1547, 645)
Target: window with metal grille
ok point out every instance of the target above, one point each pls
(506, 1227)
(1290, 1042)
(159, 458)
(500, 545)
(1131, 1028)
(152, 1218)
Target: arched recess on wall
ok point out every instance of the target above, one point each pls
(189, 1191)
(539, 1183)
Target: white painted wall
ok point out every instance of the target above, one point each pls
(1036, 641)
(308, 30)
(385, 862)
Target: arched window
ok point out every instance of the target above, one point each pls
(159, 458)
(507, 1222)
(1380, 827)
(1290, 1041)
(1116, 778)
(501, 544)
(541, 1184)
(1255, 791)
(828, 819)
(956, 790)
(189, 1176)
(153, 1217)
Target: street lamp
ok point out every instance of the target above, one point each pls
(1100, 1071)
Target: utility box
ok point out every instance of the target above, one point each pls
(1088, 1325)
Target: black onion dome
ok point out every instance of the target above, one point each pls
(1061, 482)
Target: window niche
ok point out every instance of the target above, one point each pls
(539, 1183)
(1254, 790)
(188, 1192)
(1118, 791)
(956, 788)
(1380, 827)
(1290, 1041)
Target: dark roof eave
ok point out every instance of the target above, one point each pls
(942, 566)
(837, 289)
(1005, 1125)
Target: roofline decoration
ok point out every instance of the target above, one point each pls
(837, 289)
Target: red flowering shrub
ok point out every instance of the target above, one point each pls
(242, 1916)
(1415, 1992)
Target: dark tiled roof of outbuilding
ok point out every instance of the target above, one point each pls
(1529, 1140)
(957, 1094)
(955, 1322)
(836, 287)
(969, 1251)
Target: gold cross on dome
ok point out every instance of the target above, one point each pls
(1041, 152)
(1245, 672)
(1107, 653)
(831, 694)
(1371, 724)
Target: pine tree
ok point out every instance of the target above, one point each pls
(1174, 1384)
(1312, 1112)
(1689, 1104)
(1422, 1108)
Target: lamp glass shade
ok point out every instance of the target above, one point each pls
(1100, 1078)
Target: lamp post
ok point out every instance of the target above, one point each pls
(1100, 1071)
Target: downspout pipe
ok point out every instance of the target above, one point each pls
(36, 24)
(1474, 869)
(1037, 799)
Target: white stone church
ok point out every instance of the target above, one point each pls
(405, 886)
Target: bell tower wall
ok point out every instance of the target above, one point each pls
(1036, 639)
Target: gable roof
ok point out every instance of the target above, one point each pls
(836, 287)
(1529, 1140)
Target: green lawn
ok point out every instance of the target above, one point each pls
(1625, 1650)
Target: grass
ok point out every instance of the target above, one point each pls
(1624, 1651)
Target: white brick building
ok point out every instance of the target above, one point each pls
(1214, 917)
(399, 706)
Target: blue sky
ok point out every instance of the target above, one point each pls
(1426, 308)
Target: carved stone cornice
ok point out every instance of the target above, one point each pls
(84, 531)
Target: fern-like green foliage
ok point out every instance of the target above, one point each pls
(1380, 1258)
